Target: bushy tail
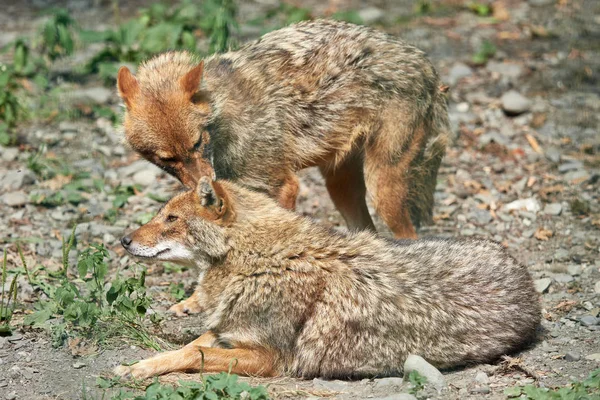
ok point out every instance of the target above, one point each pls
(425, 167)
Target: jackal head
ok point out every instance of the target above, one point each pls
(166, 115)
(188, 229)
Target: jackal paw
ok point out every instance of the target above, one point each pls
(137, 371)
(186, 307)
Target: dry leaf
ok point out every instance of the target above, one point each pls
(565, 305)
(543, 234)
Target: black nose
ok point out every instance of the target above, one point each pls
(126, 241)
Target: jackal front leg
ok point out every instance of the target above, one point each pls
(191, 305)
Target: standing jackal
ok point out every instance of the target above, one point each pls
(363, 106)
(283, 295)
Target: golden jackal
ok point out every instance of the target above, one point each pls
(363, 106)
(283, 295)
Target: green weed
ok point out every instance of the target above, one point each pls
(223, 386)
(589, 389)
(57, 35)
(486, 51)
(481, 9)
(90, 306)
(6, 308)
(11, 109)
(417, 382)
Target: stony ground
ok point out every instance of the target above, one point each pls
(524, 170)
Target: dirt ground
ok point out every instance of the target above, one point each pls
(544, 154)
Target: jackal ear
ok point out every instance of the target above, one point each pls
(127, 85)
(212, 196)
(190, 82)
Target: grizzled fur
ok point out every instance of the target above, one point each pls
(324, 304)
(363, 106)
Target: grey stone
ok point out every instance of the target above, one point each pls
(79, 365)
(542, 285)
(481, 390)
(482, 378)
(553, 154)
(10, 396)
(494, 137)
(593, 357)
(589, 320)
(67, 126)
(15, 179)
(574, 269)
(94, 95)
(541, 3)
(570, 166)
(514, 103)
(98, 230)
(553, 209)
(9, 153)
(572, 356)
(561, 254)
(145, 177)
(371, 15)
(562, 278)
(457, 72)
(432, 374)
(15, 199)
(579, 175)
(597, 287)
(530, 204)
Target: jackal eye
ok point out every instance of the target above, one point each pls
(172, 218)
(197, 145)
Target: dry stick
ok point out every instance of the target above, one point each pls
(513, 363)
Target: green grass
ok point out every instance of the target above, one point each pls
(6, 308)
(588, 389)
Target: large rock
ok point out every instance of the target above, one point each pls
(15, 179)
(514, 103)
(432, 374)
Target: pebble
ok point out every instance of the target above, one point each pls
(11, 396)
(79, 365)
(597, 287)
(514, 103)
(589, 320)
(542, 285)
(530, 204)
(572, 356)
(482, 378)
(562, 278)
(570, 166)
(432, 374)
(553, 209)
(15, 179)
(371, 15)
(457, 72)
(15, 338)
(9, 153)
(481, 390)
(508, 70)
(15, 199)
(593, 357)
(553, 154)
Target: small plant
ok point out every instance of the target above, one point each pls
(11, 110)
(220, 25)
(93, 309)
(177, 291)
(6, 308)
(486, 51)
(223, 386)
(417, 382)
(588, 389)
(57, 35)
(481, 9)
(122, 193)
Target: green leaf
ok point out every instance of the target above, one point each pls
(513, 391)
(38, 317)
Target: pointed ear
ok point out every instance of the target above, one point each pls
(190, 82)
(127, 85)
(212, 196)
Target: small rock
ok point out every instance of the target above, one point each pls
(514, 103)
(542, 285)
(561, 254)
(589, 320)
(67, 126)
(481, 390)
(11, 396)
(432, 374)
(371, 15)
(553, 154)
(462, 108)
(79, 365)
(145, 177)
(458, 71)
(593, 357)
(597, 287)
(530, 204)
(572, 356)
(509, 70)
(574, 270)
(553, 209)
(562, 278)
(482, 378)
(15, 179)
(15, 199)
(15, 338)
(577, 176)
(541, 3)
(570, 166)
(9, 153)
